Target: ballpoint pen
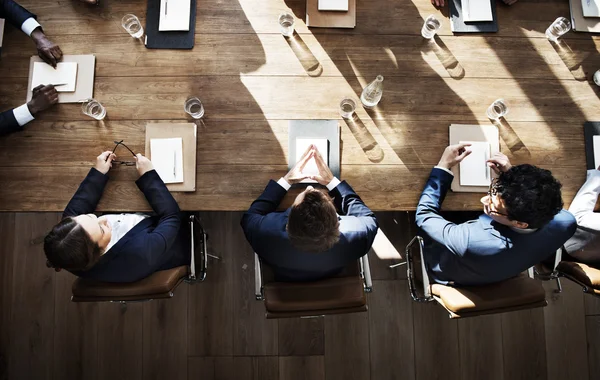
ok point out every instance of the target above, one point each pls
(174, 163)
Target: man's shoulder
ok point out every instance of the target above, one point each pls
(564, 220)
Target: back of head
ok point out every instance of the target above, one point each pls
(313, 224)
(530, 194)
(68, 246)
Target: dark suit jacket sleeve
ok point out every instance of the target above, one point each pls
(8, 123)
(159, 240)
(88, 194)
(14, 13)
(454, 237)
(350, 204)
(265, 204)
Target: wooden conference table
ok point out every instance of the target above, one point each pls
(252, 81)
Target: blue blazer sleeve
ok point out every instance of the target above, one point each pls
(452, 236)
(8, 123)
(88, 194)
(14, 13)
(265, 204)
(350, 204)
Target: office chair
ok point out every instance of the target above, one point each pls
(161, 284)
(586, 276)
(345, 293)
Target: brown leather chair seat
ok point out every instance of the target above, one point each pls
(514, 294)
(158, 285)
(587, 276)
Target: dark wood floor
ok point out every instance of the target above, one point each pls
(216, 330)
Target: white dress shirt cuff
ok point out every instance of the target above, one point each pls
(29, 26)
(333, 184)
(444, 169)
(283, 183)
(22, 115)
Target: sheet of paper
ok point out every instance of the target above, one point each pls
(1, 30)
(591, 8)
(473, 169)
(174, 15)
(311, 166)
(167, 157)
(333, 5)
(477, 10)
(596, 141)
(65, 72)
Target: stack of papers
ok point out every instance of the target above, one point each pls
(474, 170)
(333, 5)
(590, 8)
(174, 15)
(64, 77)
(477, 10)
(167, 157)
(311, 166)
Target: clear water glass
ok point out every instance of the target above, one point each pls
(193, 106)
(597, 78)
(559, 27)
(93, 108)
(132, 25)
(497, 109)
(286, 24)
(347, 107)
(430, 27)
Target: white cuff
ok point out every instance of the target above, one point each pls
(444, 169)
(22, 115)
(283, 183)
(333, 184)
(30, 25)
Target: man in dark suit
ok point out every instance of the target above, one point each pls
(309, 240)
(43, 96)
(124, 247)
(523, 223)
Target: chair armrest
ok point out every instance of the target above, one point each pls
(365, 270)
(199, 239)
(258, 284)
(410, 272)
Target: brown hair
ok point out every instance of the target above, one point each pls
(313, 224)
(68, 246)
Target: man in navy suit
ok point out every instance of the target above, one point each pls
(309, 240)
(123, 247)
(523, 223)
(43, 96)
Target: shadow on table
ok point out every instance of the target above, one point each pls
(365, 139)
(511, 139)
(307, 59)
(571, 60)
(448, 60)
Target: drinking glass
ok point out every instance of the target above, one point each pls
(132, 25)
(559, 27)
(286, 24)
(497, 110)
(347, 107)
(93, 108)
(193, 106)
(597, 78)
(430, 27)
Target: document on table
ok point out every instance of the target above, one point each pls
(1, 32)
(64, 75)
(474, 170)
(591, 8)
(333, 5)
(167, 157)
(174, 15)
(596, 140)
(311, 166)
(477, 10)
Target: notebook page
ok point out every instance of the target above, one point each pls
(65, 72)
(474, 170)
(167, 157)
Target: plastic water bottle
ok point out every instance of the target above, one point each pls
(371, 95)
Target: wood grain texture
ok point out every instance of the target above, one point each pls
(347, 347)
(302, 368)
(592, 324)
(233, 368)
(396, 229)
(481, 351)
(592, 304)
(301, 337)
(7, 233)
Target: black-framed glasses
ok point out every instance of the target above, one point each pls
(493, 193)
(126, 163)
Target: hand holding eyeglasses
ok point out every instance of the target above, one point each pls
(143, 164)
(453, 155)
(499, 163)
(104, 161)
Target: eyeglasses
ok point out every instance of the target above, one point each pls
(126, 163)
(493, 193)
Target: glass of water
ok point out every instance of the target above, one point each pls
(497, 109)
(286, 24)
(430, 27)
(193, 106)
(597, 78)
(347, 107)
(93, 108)
(559, 27)
(132, 25)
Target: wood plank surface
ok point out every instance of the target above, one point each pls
(592, 324)
(301, 337)
(347, 347)
(302, 368)
(7, 232)
(481, 351)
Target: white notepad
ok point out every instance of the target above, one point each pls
(596, 142)
(333, 5)
(591, 8)
(167, 157)
(65, 72)
(311, 166)
(474, 170)
(477, 10)
(174, 15)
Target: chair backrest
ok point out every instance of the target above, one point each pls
(161, 284)
(344, 293)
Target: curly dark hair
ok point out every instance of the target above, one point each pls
(531, 194)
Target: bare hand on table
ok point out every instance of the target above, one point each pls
(104, 161)
(143, 164)
(43, 98)
(47, 50)
(453, 155)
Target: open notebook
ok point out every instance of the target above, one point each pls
(174, 15)
(477, 10)
(64, 77)
(474, 170)
(167, 158)
(333, 5)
